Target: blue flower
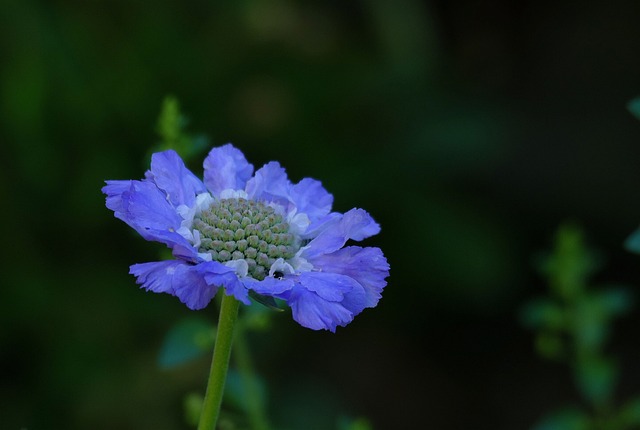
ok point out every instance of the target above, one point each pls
(247, 231)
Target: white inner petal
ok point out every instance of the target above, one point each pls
(239, 266)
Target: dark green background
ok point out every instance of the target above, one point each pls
(469, 130)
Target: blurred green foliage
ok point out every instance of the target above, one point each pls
(466, 129)
(572, 326)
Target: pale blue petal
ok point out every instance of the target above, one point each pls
(270, 183)
(226, 168)
(310, 197)
(356, 224)
(147, 207)
(368, 266)
(114, 191)
(172, 176)
(156, 276)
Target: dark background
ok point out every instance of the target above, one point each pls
(469, 130)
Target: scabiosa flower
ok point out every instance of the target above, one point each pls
(251, 232)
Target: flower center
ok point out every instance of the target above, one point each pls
(236, 228)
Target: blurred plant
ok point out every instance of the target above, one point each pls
(572, 326)
(171, 128)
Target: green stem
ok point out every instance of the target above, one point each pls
(243, 360)
(220, 363)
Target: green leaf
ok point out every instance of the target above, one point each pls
(354, 424)
(543, 313)
(634, 107)
(550, 346)
(568, 419)
(629, 414)
(192, 405)
(186, 341)
(615, 300)
(235, 390)
(571, 263)
(596, 378)
(632, 243)
(265, 301)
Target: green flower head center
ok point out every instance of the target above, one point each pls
(236, 228)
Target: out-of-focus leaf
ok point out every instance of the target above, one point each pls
(543, 313)
(569, 419)
(570, 264)
(265, 301)
(550, 346)
(186, 341)
(596, 379)
(634, 107)
(192, 408)
(615, 300)
(235, 392)
(354, 424)
(629, 414)
(633, 242)
(589, 323)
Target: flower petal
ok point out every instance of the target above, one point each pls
(356, 224)
(220, 275)
(144, 207)
(171, 175)
(156, 276)
(312, 311)
(367, 266)
(270, 183)
(114, 191)
(311, 198)
(269, 286)
(226, 168)
(329, 286)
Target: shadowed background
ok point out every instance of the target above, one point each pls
(468, 130)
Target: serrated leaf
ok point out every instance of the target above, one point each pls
(186, 341)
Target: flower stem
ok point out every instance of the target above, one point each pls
(220, 363)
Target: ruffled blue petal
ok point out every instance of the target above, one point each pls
(192, 286)
(114, 191)
(367, 266)
(269, 286)
(310, 197)
(156, 276)
(226, 168)
(329, 286)
(218, 274)
(312, 311)
(270, 183)
(171, 175)
(356, 224)
(325, 300)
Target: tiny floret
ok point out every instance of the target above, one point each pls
(251, 232)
